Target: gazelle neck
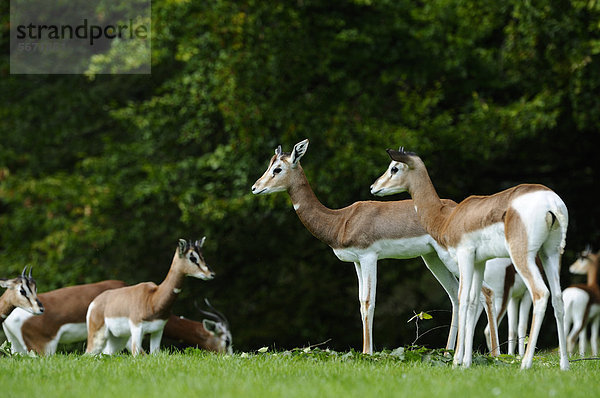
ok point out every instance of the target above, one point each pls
(167, 291)
(427, 202)
(313, 214)
(592, 275)
(5, 307)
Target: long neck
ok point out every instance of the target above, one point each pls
(5, 307)
(592, 276)
(317, 218)
(168, 290)
(427, 202)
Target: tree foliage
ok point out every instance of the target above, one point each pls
(101, 174)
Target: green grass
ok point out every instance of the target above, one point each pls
(317, 373)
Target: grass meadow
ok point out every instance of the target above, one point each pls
(297, 373)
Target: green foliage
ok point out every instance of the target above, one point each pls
(100, 175)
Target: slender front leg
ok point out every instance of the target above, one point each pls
(492, 319)
(367, 290)
(472, 307)
(450, 285)
(465, 268)
(136, 339)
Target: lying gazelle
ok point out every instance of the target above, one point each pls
(511, 299)
(21, 292)
(117, 315)
(363, 233)
(519, 222)
(582, 303)
(211, 334)
(63, 321)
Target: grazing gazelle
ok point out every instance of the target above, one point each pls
(363, 233)
(117, 315)
(63, 321)
(22, 293)
(520, 222)
(582, 303)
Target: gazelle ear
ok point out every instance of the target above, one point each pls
(183, 246)
(6, 283)
(200, 242)
(299, 151)
(278, 151)
(209, 325)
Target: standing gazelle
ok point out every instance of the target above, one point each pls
(519, 222)
(21, 292)
(582, 303)
(363, 233)
(133, 311)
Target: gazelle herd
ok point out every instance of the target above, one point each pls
(489, 252)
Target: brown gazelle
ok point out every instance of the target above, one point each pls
(20, 292)
(212, 334)
(582, 303)
(117, 315)
(520, 223)
(363, 233)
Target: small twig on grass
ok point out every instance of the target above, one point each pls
(585, 359)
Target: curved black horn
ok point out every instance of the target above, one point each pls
(215, 314)
(29, 275)
(23, 273)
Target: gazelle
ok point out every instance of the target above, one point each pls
(117, 315)
(63, 321)
(511, 298)
(582, 303)
(363, 233)
(212, 334)
(520, 222)
(20, 292)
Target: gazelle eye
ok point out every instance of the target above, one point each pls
(277, 170)
(22, 291)
(394, 170)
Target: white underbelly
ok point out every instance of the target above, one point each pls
(388, 248)
(72, 332)
(486, 243)
(121, 327)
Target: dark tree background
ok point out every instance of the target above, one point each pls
(101, 174)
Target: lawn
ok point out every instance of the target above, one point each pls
(296, 373)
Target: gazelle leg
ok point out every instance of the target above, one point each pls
(491, 331)
(512, 314)
(450, 285)
(594, 335)
(465, 268)
(582, 341)
(551, 262)
(155, 339)
(524, 308)
(472, 307)
(136, 339)
(367, 288)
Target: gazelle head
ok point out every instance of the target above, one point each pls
(279, 174)
(218, 327)
(22, 292)
(191, 260)
(586, 261)
(396, 177)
